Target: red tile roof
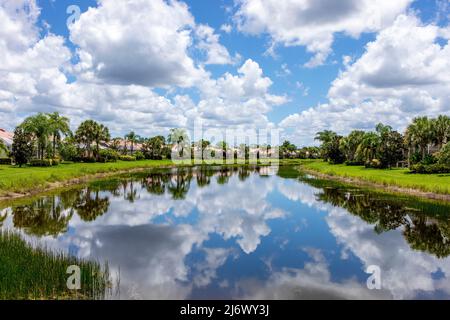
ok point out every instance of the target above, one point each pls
(7, 137)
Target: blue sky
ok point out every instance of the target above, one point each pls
(288, 43)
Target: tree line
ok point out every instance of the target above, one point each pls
(46, 138)
(424, 143)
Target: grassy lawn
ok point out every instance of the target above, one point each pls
(33, 179)
(437, 183)
(25, 179)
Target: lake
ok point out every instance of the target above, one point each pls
(242, 233)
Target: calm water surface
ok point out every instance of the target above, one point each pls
(239, 233)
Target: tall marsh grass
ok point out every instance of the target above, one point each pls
(28, 272)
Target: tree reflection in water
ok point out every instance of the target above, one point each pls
(90, 205)
(47, 216)
(425, 225)
(424, 233)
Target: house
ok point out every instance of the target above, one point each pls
(122, 144)
(7, 138)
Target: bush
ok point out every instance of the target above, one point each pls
(68, 152)
(6, 161)
(56, 162)
(430, 169)
(108, 155)
(41, 163)
(85, 159)
(428, 160)
(127, 158)
(139, 155)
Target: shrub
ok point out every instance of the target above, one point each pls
(6, 161)
(41, 163)
(127, 158)
(108, 155)
(86, 159)
(430, 169)
(139, 155)
(56, 162)
(428, 160)
(68, 151)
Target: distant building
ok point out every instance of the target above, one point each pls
(122, 145)
(6, 137)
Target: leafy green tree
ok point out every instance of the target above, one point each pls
(38, 126)
(85, 135)
(68, 149)
(287, 149)
(444, 154)
(154, 148)
(180, 138)
(90, 132)
(59, 126)
(441, 130)
(391, 148)
(349, 145)
(22, 147)
(367, 149)
(419, 134)
(330, 146)
(101, 135)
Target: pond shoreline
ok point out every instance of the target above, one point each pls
(378, 186)
(53, 186)
(72, 182)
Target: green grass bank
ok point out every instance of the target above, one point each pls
(401, 178)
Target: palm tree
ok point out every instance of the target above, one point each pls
(86, 134)
(368, 146)
(101, 135)
(349, 144)
(58, 126)
(180, 138)
(115, 144)
(39, 127)
(132, 137)
(204, 144)
(325, 136)
(224, 147)
(441, 130)
(420, 133)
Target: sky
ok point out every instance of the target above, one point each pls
(298, 66)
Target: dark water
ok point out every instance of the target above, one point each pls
(239, 233)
